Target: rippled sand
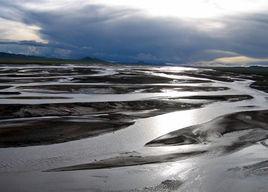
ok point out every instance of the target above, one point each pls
(122, 128)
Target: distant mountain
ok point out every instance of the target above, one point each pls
(8, 58)
(92, 59)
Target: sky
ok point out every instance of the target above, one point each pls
(155, 31)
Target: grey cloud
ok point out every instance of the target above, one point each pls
(126, 33)
(246, 34)
(129, 35)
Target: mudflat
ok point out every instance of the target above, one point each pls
(132, 128)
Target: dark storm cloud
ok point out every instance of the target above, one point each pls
(248, 34)
(129, 35)
(119, 34)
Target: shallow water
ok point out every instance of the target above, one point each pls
(24, 164)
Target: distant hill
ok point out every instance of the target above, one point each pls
(8, 58)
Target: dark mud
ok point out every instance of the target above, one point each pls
(207, 73)
(45, 105)
(9, 93)
(43, 131)
(31, 97)
(89, 115)
(116, 89)
(258, 74)
(149, 107)
(260, 84)
(81, 120)
(46, 72)
(41, 74)
(30, 80)
(211, 74)
(229, 98)
(56, 130)
(135, 79)
(4, 87)
(230, 74)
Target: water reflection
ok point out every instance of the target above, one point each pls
(154, 114)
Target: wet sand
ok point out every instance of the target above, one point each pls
(132, 160)
(132, 128)
(256, 169)
(84, 119)
(252, 125)
(246, 128)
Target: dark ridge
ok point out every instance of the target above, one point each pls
(125, 161)
(8, 58)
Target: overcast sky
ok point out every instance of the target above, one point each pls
(177, 31)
